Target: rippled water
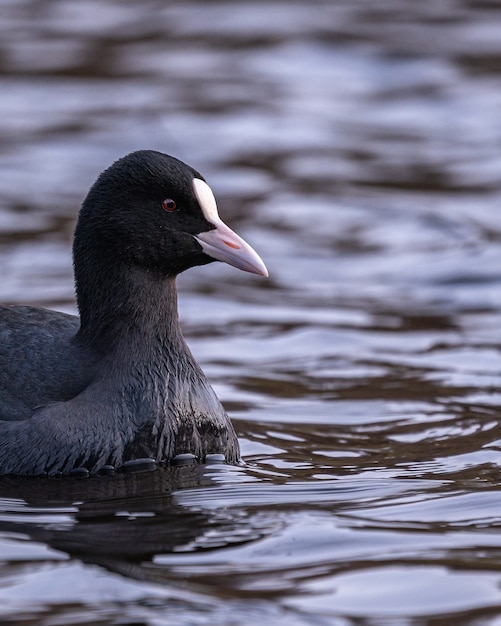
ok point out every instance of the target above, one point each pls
(357, 145)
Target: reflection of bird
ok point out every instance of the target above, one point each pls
(120, 383)
(129, 523)
(117, 519)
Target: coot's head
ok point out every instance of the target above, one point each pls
(153, 211)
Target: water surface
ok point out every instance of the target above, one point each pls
(357, 146)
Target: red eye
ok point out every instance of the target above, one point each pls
(169, 205)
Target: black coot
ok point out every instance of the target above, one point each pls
(119, 383)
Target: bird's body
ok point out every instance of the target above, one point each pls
(119, 383)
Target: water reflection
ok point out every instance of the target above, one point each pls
(111, 522)
(357, 146)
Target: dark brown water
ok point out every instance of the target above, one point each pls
(357, 145)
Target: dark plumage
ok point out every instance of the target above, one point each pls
(119, 383)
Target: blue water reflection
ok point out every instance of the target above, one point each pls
(356, 145)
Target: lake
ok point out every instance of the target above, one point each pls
(357, 147)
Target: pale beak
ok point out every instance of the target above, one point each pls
(222, 243)
(225, 245)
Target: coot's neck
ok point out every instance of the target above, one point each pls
(127, 310)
